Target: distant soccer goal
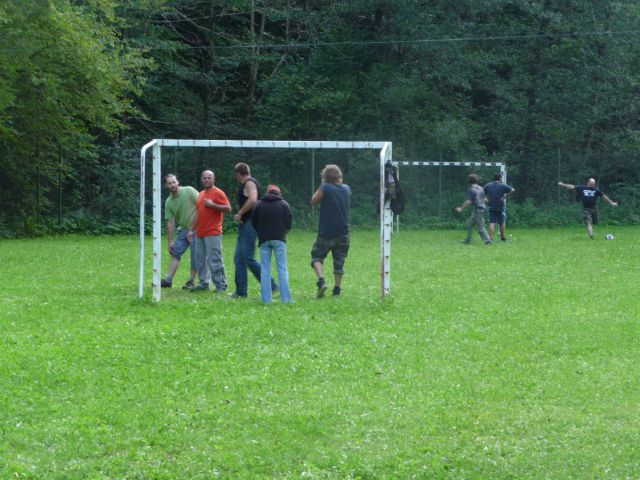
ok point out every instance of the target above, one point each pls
(385, 149)
(502, 166)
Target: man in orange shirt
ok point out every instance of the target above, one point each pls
(207, 226)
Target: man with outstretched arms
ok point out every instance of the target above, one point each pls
(210, 208)
(588, 194)
(179, 211)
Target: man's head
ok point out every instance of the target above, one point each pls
(498, 177)
(331, 174)
(473, 179)
(241, 171)
(274, 189)
(591, 182)
(171, 182)
(207, 179)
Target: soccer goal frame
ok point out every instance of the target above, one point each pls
(385, 152)
(501, 165)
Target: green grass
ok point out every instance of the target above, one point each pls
(517, 360)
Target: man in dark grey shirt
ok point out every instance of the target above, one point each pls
(497, 193)
(334, 198)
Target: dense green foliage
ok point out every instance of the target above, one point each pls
(551, 88)
(517, 360)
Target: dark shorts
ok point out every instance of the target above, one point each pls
(339, 248)
(590, 215)
(497, 216)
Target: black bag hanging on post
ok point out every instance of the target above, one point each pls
(393, 190)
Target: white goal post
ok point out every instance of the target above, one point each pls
(156, 146)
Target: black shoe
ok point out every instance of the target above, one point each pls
(200, 288)
(466, 242)
(188, 286)
(336, 291)
(488, 242)
(235, 295)
(322, 287)
(502, 239)
(165, 284)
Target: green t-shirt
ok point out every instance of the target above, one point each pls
(182, 207)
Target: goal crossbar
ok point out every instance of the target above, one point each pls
(156, 145)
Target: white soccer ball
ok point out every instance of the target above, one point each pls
(609, 236)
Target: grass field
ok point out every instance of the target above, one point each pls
(517, 360)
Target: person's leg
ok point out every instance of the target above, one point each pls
(241, 276)
(280, 251)
(339, 253)
(492, 229)
(180, 245)
(216, 263)
(201, 261)
(479, 220)
(470, 224)
(588, 220)
(319, 252)
(173, 266)
(265, 272)
(502, 222)
(192, 260)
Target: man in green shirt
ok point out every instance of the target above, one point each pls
(179, 211)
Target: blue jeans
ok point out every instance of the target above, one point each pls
(279, 249)
(244, 258)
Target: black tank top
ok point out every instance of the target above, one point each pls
(242, 198)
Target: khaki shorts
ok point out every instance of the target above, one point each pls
(590, 215)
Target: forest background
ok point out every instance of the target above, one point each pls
(549, 87)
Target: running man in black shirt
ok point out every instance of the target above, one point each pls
(588, 194)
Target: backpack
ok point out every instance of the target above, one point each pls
(392, 189)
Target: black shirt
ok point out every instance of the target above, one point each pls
(588, 195)
(242, 198)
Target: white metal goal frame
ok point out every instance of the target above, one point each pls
(385, 149)
(501, 165)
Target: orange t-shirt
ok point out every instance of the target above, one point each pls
(209, 220)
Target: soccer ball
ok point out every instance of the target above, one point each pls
(609, 236)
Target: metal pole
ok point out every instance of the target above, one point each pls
(157, 226)
(558, 188)
(313, 172)
(386, 217)
(59, 185)
(143, 152)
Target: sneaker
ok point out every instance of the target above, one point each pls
(200, 288)
(336, 291)
(165, 284)
(188, 286)
(322, 287)
(488, 242)
(502, 239)
(466, 242)
(235, 295)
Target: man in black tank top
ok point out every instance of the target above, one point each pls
(244, 257)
